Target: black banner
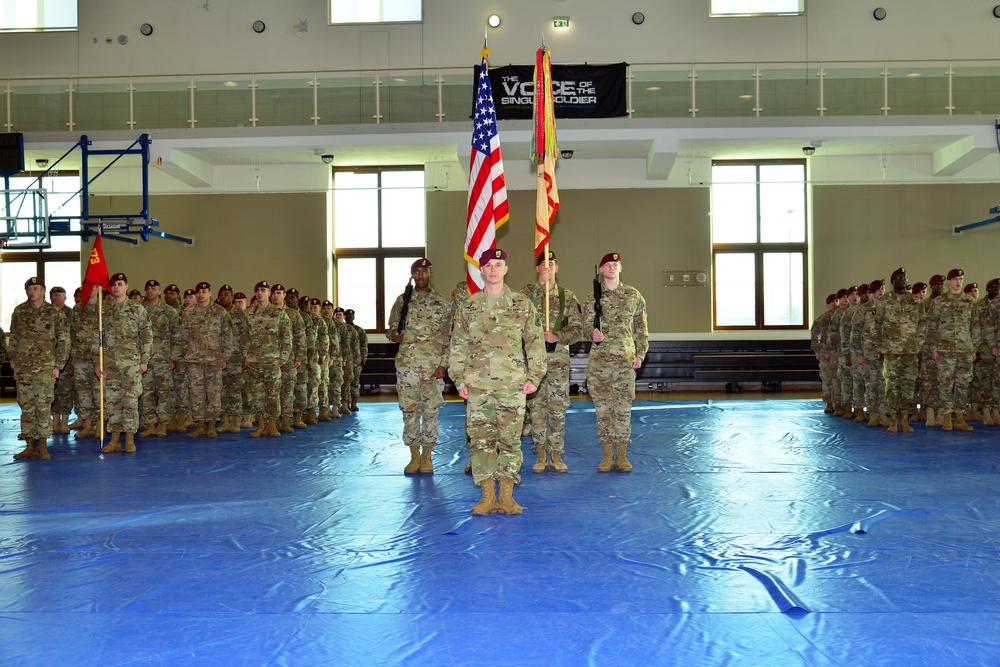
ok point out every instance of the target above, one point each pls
(579, 91)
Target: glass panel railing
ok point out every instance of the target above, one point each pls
(285, 101)
(456, 96)
(223, 103)
(789, 91)
(161, 103)
(346, 99)
(661, 92)
(853, 91)
(39, 106)
(725, 91)
(918, 89)
(101, 106)
(976, 88)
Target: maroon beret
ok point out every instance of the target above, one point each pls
(971, 286)
(610, 257)
(993, 282)
(328, 303)
(277, 287)
(116, 277)
(875, 285)
(898, 272)
(262, 283)
(292, 292)
(33, 281)
(831, 298)
(172, 288)
(919, 287)
(541, 258)
(189, 292)
(226, 288)
(151, 283)
(314, 302)
(202, 285)
(841, 293)
(494, 253)
(936, 279)
(954, 273)
(239, 295)
(862, 289)
(422, 263)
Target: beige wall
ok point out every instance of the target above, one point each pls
(239, 239)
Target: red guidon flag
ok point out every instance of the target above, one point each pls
(97, 273)
(543, 151)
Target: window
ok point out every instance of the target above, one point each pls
(58, 265)
(37, 15)
(757, 7)
(379, 231)
(375, 11)
(759, 247)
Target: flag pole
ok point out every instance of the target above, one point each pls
(100, 355)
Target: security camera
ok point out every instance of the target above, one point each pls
(808, 150)
(566, 155)
(326, 158)
(41, 163)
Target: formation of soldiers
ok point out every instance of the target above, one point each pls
(279, 359)
(925, 352)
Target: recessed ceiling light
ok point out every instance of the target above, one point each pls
(746, 97)
(494, 20)
(400, 80)
(913, 75)
(653, 88)
(230, 84)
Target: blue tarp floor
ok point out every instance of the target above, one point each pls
(750, 533)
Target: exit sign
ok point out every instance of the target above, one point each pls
(560, 22)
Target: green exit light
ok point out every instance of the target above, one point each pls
(560, 22)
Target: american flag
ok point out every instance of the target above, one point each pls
(487, 190)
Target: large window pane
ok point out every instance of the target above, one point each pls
(397, 274)
(782, 203)
(356, 288)
(403, 223)
(12, 278)
(734, 204)
(735, 290)
(65, 275)
(355, 210)
(783, 289)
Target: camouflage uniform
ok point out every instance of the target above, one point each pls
(982, 391)
(319, 364)
(422, 350)
(494, 351)
(206, 332)
(233, 376)
(359, 363)
(269, 344)
(128, 343)
(858, 370)
(836, 357)
(289, 373)
(954, 334)
(39, 343)
(182, 388)
(62, 402)
(351, 349)
(548, 405)
(335, 371)
(302, 376)
(874, 380)
(930, 392)
(157, 401)
(823, 356)
(86, 383)
(844, 367)
(993, 335)
(610, 376)
(898, 331)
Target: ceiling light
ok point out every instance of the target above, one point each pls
(230, 84)
(494, 20)
(653, 88)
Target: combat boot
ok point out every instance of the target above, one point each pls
(859, 416)
(324, 413)
(210, 431)
(130, 442)
(115, 444)
(198, 432)
(286, 424)
(608, 462)
(931, 419)
(172, 424)
(272, 429)
(557, 463)
(149, 431)
(354, 404)
(882, 419)
(28, 452)
(247, 422)
(946, 422)
(299, 422)
(873, 420)
(76, 424)
(41, 451)
(828, 409)
(310, 417)
(960, 422)
(623, 462)
(161, 430)
(234, 424)
(838, 410)
(506, 502)
(55, 422)
(893, 424)
(345, 408)
(987, 418)
(488, 503)
(87, 431)
(996, 416)
(426, 465)
(335, 412)
(541, 462)
(904, 423)
(261, 428)
(64, 424)
(972, 414)
(848, 411)
(413, 467)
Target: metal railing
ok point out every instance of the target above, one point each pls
(437, 95)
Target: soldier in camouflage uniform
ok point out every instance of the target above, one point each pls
(982, 369)
(497, 358)
(844, 366)
(360, 360)
(898, 331)
(929, 388)
(320, 365)
(870, 357)
(290, 371)
(832, 343)
(182, 385)
(62, 403)
(128, 346)
(269, 348)
(86, 384)
(621, 344)
(293, 303)
(206, 332)
(234, 376)
(38, 348)
(990, 326)
(172, 296)
(854, 329)
(157, 400)
(953, 336)
(351, 350)
(335, 367)
(818, 345)
(421, 363)
(549, 404)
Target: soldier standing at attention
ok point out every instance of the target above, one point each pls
(351, 351)
(157, 400)
(981, 391)
(898, 331)
(86, 383)
(128, 345)
(38, 348)
(320, 366)
(818, 345)
(621, 344)
(991, 333)
(548, 405)
(870, 357)
(206, 332)
(62, 404)
(308, 357)
(359, 360)
(225, 298)
(172, 296)
(335, 365)
(952, 335)
(929, 388)
(497, 358)
(233, 379)
(420, 321)
(269, 348)
(846, 363)
(289, 372)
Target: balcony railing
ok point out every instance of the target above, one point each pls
(655, 90)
